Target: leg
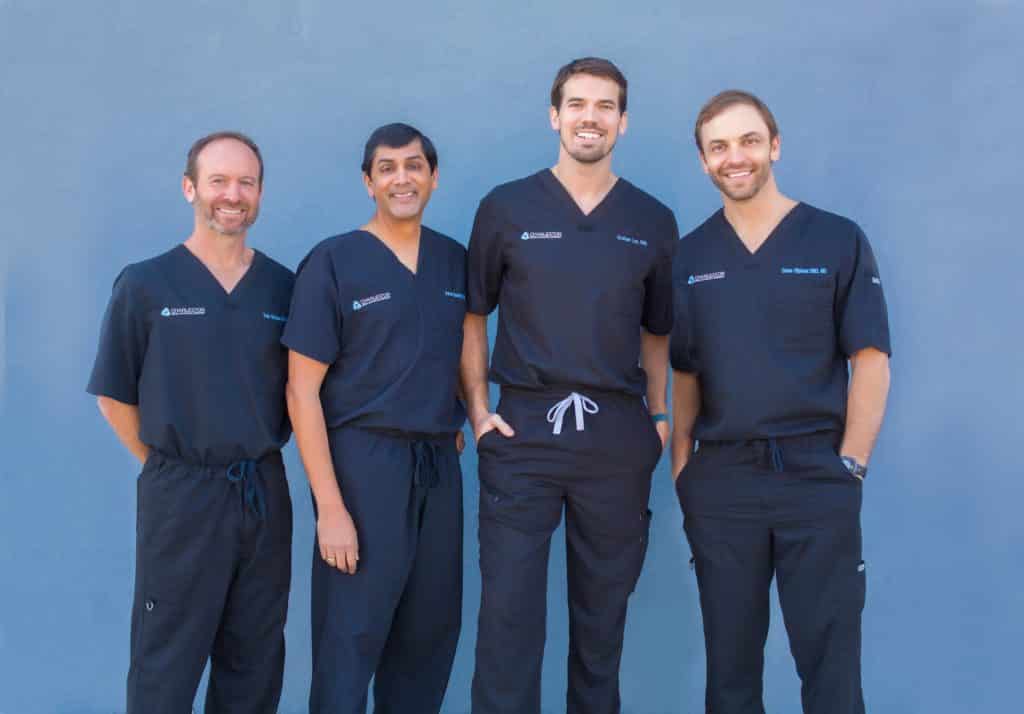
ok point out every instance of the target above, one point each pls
(247, 662)
(732, 558)
(185, 557)
(821, 589)
(606, 531)
(417, 660)
(518, 513)
(352, 614)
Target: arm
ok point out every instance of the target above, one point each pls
(685, 407)
(654, 360)
(869, 389)
(336, 533)
(473, 377)
(124, 420)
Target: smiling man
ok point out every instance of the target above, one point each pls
(375, 338)
(578, 261)
(774, 300)
(190, 374)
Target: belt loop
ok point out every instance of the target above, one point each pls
(246, 473)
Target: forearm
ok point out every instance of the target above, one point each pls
(473, 367)
(865, 409)
(685, 407)
(654, 360)
(124, 420)
(307, 416)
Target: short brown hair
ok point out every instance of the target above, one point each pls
(191, 170)
(594, 66)
(730, 98)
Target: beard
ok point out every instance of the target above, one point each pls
(209, 215)
(760, 178)
(592, 155)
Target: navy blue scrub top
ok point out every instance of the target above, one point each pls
(392, 338)
(769, 333)
(205, 367)
(574, 289)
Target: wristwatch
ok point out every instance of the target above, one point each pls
(856, 470)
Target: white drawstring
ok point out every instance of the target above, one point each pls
(579, 402)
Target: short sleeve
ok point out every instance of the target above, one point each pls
(657, 314)
(122, 347)
(680, 346)
(315, 318)
(861, 311)
(485, 261)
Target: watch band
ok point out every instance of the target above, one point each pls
(660, 416)
(856, 470)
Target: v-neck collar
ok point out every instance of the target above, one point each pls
(257, 257)
(767, 243)
(558, 190)
(420, 252)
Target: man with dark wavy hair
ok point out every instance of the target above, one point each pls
(578, 261)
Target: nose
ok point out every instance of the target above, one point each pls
(735, 154)
(232, 191)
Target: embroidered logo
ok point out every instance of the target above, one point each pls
(275, 318)
(704, 277)
(876, 280)
(454, 295)
(182, 311)
(632, 241)
(379, 297)
(544, 235)
(804, 271)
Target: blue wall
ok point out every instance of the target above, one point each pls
(905, 116)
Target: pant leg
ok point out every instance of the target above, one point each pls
(519, 510)
(352, 614)
(417, 659)
(606, 531)
(822, 580)
(185, 556)
(730, 537)
(247, 660)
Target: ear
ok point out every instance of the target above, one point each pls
(556, 123)
(623, 123)
(703, 162)
(433, 182)
(776, 151)
(188, 189)
(369, 185)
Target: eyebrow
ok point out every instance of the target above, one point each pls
(387, 160)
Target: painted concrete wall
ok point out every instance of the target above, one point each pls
(905, 116)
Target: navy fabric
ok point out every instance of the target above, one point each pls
(769, 333)
(748, 520)
(601, 477)
(574, 289)
(398, 617)
(205, 367)
(211, 582)
(392, 338)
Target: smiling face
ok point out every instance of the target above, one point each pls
(400, 180)
(226, 192)
(737, 152)
(589, 119)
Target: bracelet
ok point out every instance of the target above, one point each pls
(660, 416)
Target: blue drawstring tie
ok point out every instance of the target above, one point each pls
(246, 473)
(424, 470)
(775, 454)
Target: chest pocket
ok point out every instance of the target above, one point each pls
(444, 315)
(801, 311)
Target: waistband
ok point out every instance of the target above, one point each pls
(425, 437)
(244, 473)
(773, 447)
(553, 393)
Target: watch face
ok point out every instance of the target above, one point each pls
(853, 467)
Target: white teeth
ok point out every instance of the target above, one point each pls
(738, 174)
(231, 211)
(587, 134)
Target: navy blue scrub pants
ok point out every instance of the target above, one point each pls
(213, 566)
(397, 619)
(788, 508)
(601, 477)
